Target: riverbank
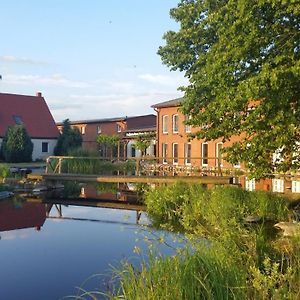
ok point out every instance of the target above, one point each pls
(244, 257)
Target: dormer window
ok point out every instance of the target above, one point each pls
(18, 120)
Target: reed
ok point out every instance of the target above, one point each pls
(240, 261)
(203, 274)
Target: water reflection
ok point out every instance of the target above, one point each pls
(50, 245)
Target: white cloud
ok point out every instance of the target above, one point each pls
(20, 60)
(162, 79)
(52, 80)
(97, 106)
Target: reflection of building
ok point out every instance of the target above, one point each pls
(28, 215)
(124, 128)
(32, 112)
(114, 192)
(174, 148)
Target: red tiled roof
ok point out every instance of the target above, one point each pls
(32, 110)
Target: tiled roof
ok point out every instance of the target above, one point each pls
(170, 103)
(93, 121)
(31, 111)
(134, 121)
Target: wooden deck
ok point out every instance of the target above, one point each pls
(132, 179)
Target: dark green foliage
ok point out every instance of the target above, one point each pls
(191, 208)
(234, 52)
(69, 139)
(17, 145)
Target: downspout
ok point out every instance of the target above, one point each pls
(157, 131)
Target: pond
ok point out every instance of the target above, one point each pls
(48, 250)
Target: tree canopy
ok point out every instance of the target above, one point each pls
(17, 145)
(69, 139)
(108, 144)
(242, 62)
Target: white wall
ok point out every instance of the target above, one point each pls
(37, 148)
(149, 150)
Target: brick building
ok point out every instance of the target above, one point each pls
(126, 128)
(175, 148)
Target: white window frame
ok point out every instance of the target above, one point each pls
(202, 155)
(119, 128)
(250, 184)
(99, 129)
(295, 186)
(164, 153)
(188, 128)
(277, 185)
(188, 158)
(175, 158)
(175, 123)
(219, 153)
(82, 129)
(165, 120)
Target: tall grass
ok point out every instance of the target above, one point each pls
(201, 275)
(90, 166)
(240, 261)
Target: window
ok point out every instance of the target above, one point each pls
(165, 124)
(18, 120)
(99, 129)
(175, 153)
(219, 161)
(45, 147)
(119, 128)
(295, 186)
(164, 153)
(204, 154)
(278, 185)
(187, 153)
(133, 153)
(188, 128)
(82, 129)
(250, 184)
(175, 123)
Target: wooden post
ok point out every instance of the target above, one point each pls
(59, 165)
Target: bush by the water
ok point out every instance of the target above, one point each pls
(237, 261)
(192, 208)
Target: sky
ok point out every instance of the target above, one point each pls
(91, 59)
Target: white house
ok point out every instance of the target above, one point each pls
(33, 113)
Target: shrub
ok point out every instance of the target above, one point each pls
(69, 139)
(17, 145)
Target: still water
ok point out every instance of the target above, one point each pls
(48, 250)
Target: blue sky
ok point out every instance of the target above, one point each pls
(90, 59)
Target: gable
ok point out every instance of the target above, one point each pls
(30, 111)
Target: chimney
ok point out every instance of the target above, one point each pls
(39, 94)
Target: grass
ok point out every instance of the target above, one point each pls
(201, 275)
(241, 261)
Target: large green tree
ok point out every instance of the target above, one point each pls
(69, 139)
(239, 54)
(17, 145)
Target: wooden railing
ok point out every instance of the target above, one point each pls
(150, 165)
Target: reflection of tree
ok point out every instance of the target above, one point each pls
(107, 187)
(71, 189)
